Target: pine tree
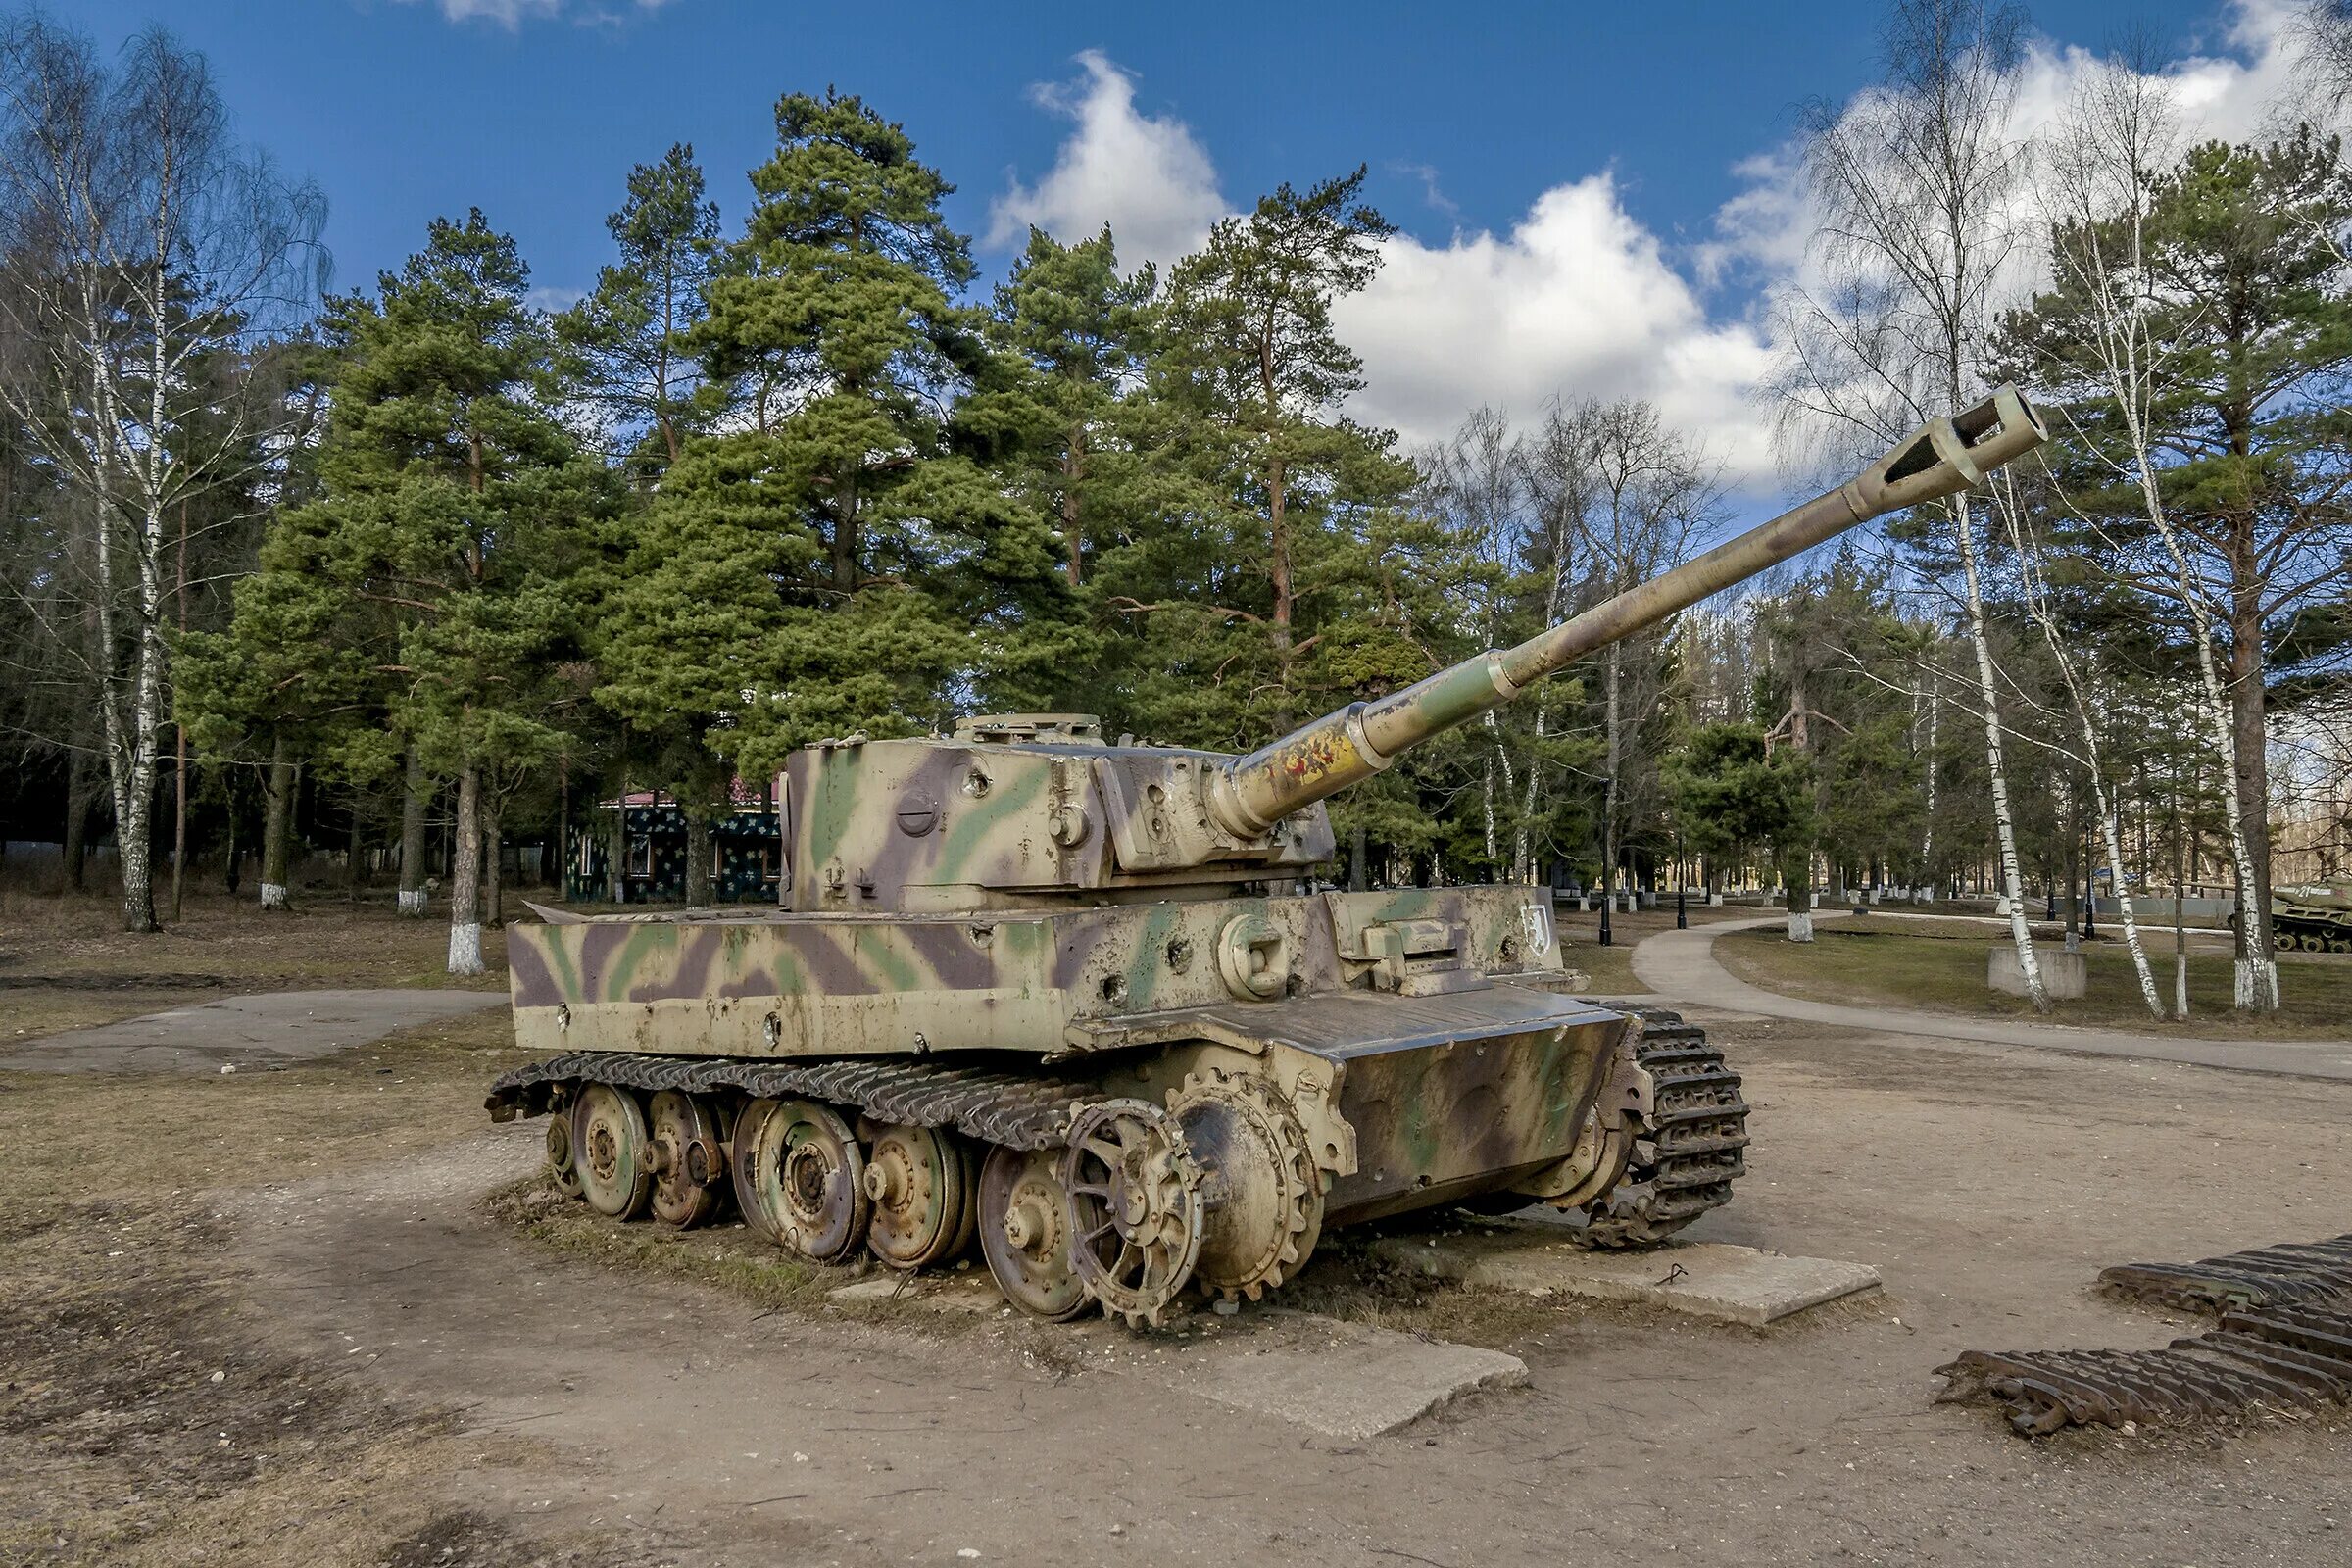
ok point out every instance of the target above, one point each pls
(829, 559)
(1072, 336)
(456, 519)
(2234, 290)
(629, 340)
(1285, 568)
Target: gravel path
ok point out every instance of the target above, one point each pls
(268, 1030)
(1680, 964)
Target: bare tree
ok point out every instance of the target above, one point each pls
(1648, 492)
(2009, 506)
(1475, 480)
(147, 254)
(1915, 181)
(2105, 152)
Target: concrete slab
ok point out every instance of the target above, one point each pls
(1707, 1279)
(1343, 1380)
(268, 1030)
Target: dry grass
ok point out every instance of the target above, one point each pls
(64, 963)
(231, 943)
(1943, 971)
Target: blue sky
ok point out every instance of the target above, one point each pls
(1549, 163)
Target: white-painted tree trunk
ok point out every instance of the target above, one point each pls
(1926, 837)
(2085, 708)
(466, 879)
(2005, 820)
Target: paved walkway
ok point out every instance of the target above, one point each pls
(1680, 964)
(268, 1030)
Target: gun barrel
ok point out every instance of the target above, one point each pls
(1945, 456)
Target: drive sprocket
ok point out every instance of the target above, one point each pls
(1262, 1194)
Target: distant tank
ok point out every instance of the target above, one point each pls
(2316, 919)
(1082, 1001)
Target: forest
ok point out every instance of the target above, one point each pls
(406, 580)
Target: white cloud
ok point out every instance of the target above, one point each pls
(512, 14)
(1577, 300)
(1147, 178)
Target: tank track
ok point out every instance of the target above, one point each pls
(1018, 1111)
(1685, 1162)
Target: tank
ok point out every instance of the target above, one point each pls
(1083, 1004)
(2314, 919)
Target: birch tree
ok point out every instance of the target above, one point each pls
(2092, 339)
(149, 253)
(1915, 181)
(2086, 705)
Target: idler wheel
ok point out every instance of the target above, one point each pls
(808, 1178)
(1024, 1224)
(608, 1151)
(1260, 1193)
(1136, 1212)
(559, 1154)
(685, 1158)
(921, 1188)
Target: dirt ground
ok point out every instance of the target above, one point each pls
(277, 1319)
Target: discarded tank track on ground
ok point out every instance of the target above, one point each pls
(675, 1139)
(2287, 1275)
(2285, 1339)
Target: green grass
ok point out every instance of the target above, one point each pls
(1945, 972)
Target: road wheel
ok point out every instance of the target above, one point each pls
(609, 1151)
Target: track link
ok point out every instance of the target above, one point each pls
(2265, 1276)
(1683, 1163)
(1017, 1111)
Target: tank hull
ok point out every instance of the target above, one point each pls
(1425, 1069)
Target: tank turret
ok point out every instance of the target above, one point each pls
(1070, 998)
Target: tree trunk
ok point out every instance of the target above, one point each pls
(2179, 904)
(494, 855)
(698, 854)
(1073, 469)
(180, 747)
(617, 862)
(2005, 821)
(412, 836)
(465, 878)
(77, 817)
(2257, 958)
(563, 867)
(354, 852)
(179, 823)
(278, 821)
(1355, 860)
(234, 870)
(1796, 873)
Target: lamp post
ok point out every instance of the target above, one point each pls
(2090, 885)
(1682, 879)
